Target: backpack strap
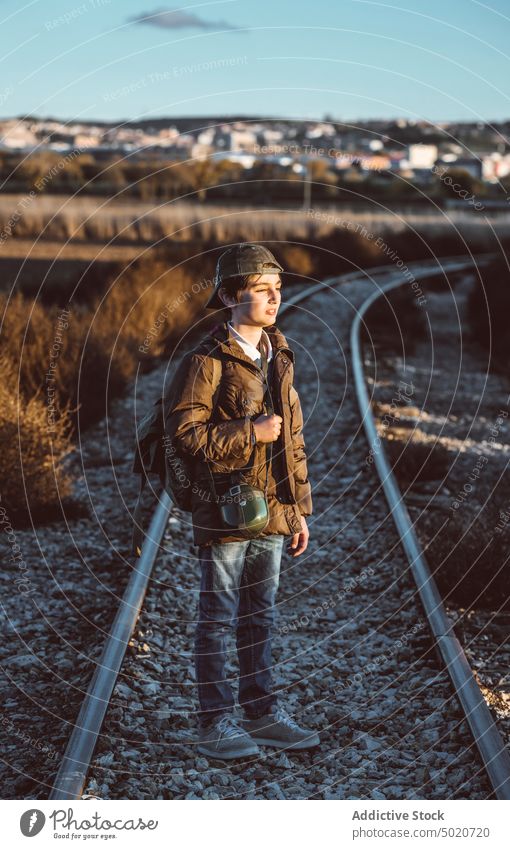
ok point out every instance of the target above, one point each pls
(216, 374)
(138, 532)
(267, 371)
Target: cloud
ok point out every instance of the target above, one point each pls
(178, 19)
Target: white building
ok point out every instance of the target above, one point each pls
(17, 135)
(240, 141)
(421, 155)
(495, 166)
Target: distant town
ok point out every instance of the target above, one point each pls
(408, 148)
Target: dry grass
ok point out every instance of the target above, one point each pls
(33, 450)
(99, 345)
(77, 361)
(84, 218)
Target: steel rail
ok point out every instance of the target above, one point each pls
(494, 754)
(72, 774)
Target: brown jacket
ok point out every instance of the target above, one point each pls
(224, 436)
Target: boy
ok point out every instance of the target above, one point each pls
(231, 435)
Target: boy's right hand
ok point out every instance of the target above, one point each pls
(267, 428)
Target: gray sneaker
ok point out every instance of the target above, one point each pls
(226, 739)
(280, 730)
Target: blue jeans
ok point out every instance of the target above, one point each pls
(238, 586)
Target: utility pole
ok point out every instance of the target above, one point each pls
(307, 187)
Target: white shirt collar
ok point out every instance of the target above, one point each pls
(251, 350)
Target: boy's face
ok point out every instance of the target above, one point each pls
(259, 302)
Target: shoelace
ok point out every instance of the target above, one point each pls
(228, 727)
(282, 716)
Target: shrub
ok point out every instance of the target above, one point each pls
(33, 450)
(99, 346)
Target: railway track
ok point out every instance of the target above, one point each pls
(371, 608)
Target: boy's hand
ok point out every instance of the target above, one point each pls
(299, 541)
(267, 428)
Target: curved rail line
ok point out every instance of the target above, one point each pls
(71, 776)
(495, 756)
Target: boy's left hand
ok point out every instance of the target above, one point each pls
(299, 541)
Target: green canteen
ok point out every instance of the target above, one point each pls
(244, 508)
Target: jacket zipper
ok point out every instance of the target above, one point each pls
(286, 485)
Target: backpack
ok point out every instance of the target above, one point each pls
(155, 453)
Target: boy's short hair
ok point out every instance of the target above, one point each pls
(233, 285)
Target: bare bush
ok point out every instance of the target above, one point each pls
(33, 474)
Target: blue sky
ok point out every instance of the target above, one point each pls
(352, 59)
